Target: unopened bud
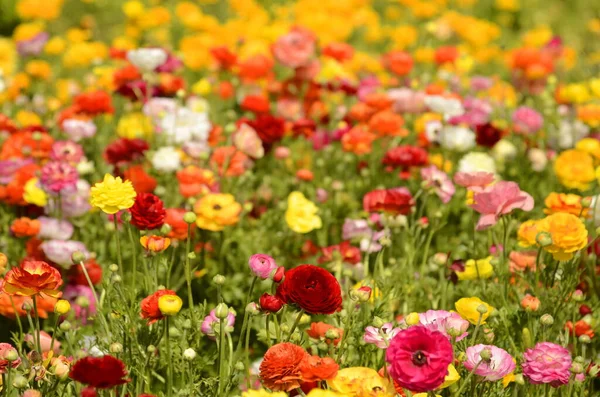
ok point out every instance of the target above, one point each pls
(578, 296)
(485, 354)
(585, 339)
(239, 366)
(113, 268)
(165, 229)
(116, 348)
(378, 322)
(11, 355)
(20, 382)
(125, 216)
(65, 326)
(547, 319)
(482, 309)
(219, 279)
(577, 368)
(151, 349)
(544, 239)
(78, 257)
(332, 333)
(189, 354)
(526, 337)
(189, 217)
(412, 319)
(221, 311)
(519, 380)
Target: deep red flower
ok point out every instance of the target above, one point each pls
(487, 134)
(124, 151)
(149, 306)
(270, 129)
(224, 57)
(584, 310)
(347, 253)
(270, 303)
(312, 288)
(89, 392)
(94, 103)
(76, 275)
(148, 212)
(100, 372)
(395, 201)
(405, 156)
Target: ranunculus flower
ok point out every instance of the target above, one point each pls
(474, 181)
(547, 363)
(262, 265)
(527, 120)
(497, 366)
(313, 289)
(568, 234)
(280, 369)
(57, 176)
(270, 303)
(215, 211)
(405, 156)
(439, 182)
(211, 324)
(100, 372)
(296, 48)
(395, 201)
(317, 369)
(381, 337)
(476, 269)
(500, 199)
(6, 348)
(33, 278)
(318, 330)
(112, 194)
(248, 142)
(55, 229)
(149, 306)
(418, 358)
(60, 252)
(301, 214)
(361, 381)
(148, 212)
(445, 322)
(467, 308)
(270, 129)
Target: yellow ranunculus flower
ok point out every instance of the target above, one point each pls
(477, 269)
(8, 57)
(38, 69)
(467, 308)
(169, 305)
(527, 233)
(134, 125)
(112, 194)
(316, 392)
(62, 306)
(217, 210)
(263, 393)
(568, 233)
(301, 215)
(575, 169)
(451, 378)
(33, 194)
(589, 145)
(39, 9)
(361, 381)
(26, 118)
(55, 46)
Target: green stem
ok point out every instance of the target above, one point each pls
(464, 384)
(474, 337)
(298, 317)
(169, 359)
(188, 275)
(98, 302)
(54, 333)
(118, 239)
(134, 260)
(38, 344)
(221, 356)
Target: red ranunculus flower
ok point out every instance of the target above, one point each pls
(312, 288)
(395, 201)
(347, 253)
(76, 275)
(125, 150)
(100, 372)
(148, 212)
(224, 57)
(487, 135)
(255, 103)
(94, 103)
(405, 156)
(270, 129)
(149, 306)
(270, 303)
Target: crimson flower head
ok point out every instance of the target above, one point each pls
(270, 303)
(100, 372)
(312, 288)
(124, 151)
(270, 129)
(405, 156)
(395, 201)
(418, 358)
(148, 212)
(149, 306)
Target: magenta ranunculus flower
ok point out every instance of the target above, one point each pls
(418, 358)
(493, 364)
(445, 322)
(547, 363)
(381, 337)
(500, 199)
(527, 120)
(262, 265)
(439, 182)
(58, 175)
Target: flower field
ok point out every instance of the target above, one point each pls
(323, 198)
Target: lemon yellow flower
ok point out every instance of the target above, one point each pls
(451, 378)
(477, 269)
(575, 169)
(134, 125)
(8, 57)
(112, 194)
(263, 393)
(468, 309)
(361, 381)
(55, 46)
(169, 305)
(301, 215)
(33, 194)
(217, 210)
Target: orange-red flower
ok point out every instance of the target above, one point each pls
(33, 278)
(387, 123)
(315, 368)
(581, 328)
(280, 369)
(155, 243)
(141, 181)
(25, 227)
(12, 306)
(358, 140)
(149, 306)
(319, 329)
(230, 157)
(179, 228)
(194, 181)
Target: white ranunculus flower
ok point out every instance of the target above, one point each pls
(538, 159)
(449, 107)
(456, 138)
(477, 162)
(166, 159)
(569, 133)
(147, 59)
(504, 150)
(185, 124)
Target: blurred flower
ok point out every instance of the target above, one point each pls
(211, 324)
(166, 159)
(575, 169)
(57, 176)
(393, 201)
(79, 129)
(563, 202)
(476, 269)
(526, 120)
(439, 182)
(360, 381)
(500, 199)
(147, 59)
(61, 251)
(102, 373)
(215, 211)
(301, 214)
(8, 349)
(477, 162)
(448, 323)
(295, 48)
(155, 243)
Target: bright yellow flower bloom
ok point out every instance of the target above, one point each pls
(589, 145)
(451, 378)
(467, 308)
(55, 46)
(528, 232)
(575, 169)
(134, 125)
(263, 393)
(33, 194)
(26, 118)
(568, 233)
(217, 210)
(8, 57)
(169, 305)
(38, 69)
(316, 392)
(477, 269)
(39, 9)
(27, 31)
(112, 194)
(301, 215)
(361, 381)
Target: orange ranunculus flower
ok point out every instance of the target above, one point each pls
(305, 175)
(228, 156)
(398, 62)
(25, 144)
(361, 112)
(581, 328)
(255, 67)
(25, 227)
(530, 303)
(141, 181)
(280, 369)
(358, 140)
(12, 193)
(575, 169)
(387, 123)
(520, 261)
(568, 203)
(215, 211)
(319, 329)
(528, 232)
(155, 243)
(194, 180)
(12, 306)
(179, 228)
(568, 233)
(33, 278)
(379, 101)
(315, 368)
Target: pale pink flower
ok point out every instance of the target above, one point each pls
(439, 182)
(296, 48)
(407, 100)
(6, 348)
(79, 129)
(527, 120)
(445, 322)
(547, 363)
(247, 141)
(381, 337)
(211, 324)
(67, 151)
(500, 199)
(475, 181)
(45, 342)
(57, 176)
(262, 265)
(499, 364)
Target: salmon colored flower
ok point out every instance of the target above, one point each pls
(500, 199)
(358, 140)
(194, 181)
(280, 369)
(25, 227)
(33, 278)
(319, 330)
(12, 306)
(179, 228)
(215, 211)
(581, 328)
(316, 369)
(530, 303)
(155, 243)
(229, 161)
(520, 261)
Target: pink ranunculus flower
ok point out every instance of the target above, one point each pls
(67, 151)
(55, 229)
(79, 129)
(547, 363)
(418, 358)
(248, 142)
(262, 265)
(6, 348)
(296, 48)
(57, 176)
(380, 337)
(475, 181)
(445, 322)
(45, 342)
(407, 100)
(527, 120)
(72, 293)
(437, 180)
(499, 364)
(60, 251)
(500, 199)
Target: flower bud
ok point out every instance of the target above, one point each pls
(113, 268)
(189, 354)
(485, 354)
(412, 319)
(284, 328)
(116, 278)
(20, 382)
(116, 348)
(482, 309)
(519, 380)
(544, 239)
(189, 217)
(65, 326)
(239, 366)
(488, 335)
(577, 368)
(191, 255)
(187, 324)
(362, 294)
(578, 296)
(526, 337)
(221, 311)
(126, 216)
(174, 332)
(62, 306)
(547, 319)
(585, 339)
(151, 349)
(165, 229)
(270, 303)
(78, 257)
(305, 319)
(252, 309)
(169, 305)
(11, 355)
(323, 346)
(278, 274)
(295, 338)
(332, 333)
(219, 279)
(378, 322)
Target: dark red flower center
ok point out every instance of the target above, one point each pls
(419, 358)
